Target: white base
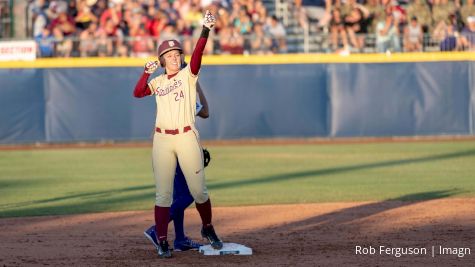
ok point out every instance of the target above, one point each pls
(228, 248)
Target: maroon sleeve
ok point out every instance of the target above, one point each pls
(195, 62)
(141, 88)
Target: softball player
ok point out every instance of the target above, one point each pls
(176, 137)
(182, 197)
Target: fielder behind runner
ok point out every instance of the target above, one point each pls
(176, 137)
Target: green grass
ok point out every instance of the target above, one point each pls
(68, 181)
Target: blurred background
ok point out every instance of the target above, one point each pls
(121, 28)
(272, 69)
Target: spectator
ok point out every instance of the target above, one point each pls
(467, 10)
(34, 7)
(156, 24)
(399, 14)
(104, 44)
(147, 3)
(141, 43)
(43, 16)
(99, 7)
(222, 21)
(114, 34)
(441, 9)
(193, 17)
(313, 11)
(356, 24)
(419, 9)
(413, 36)
(128, 11)
(277, 33)
(85, 17)
(172, 14)
(40, 18)
(133, 16)
(230, 41)
(88, 45)
(223, 3)
(113, 14)
(450, 41)
(249, 6)
(468, 34)
(58, 6)
(252, 12)
(45, 42)
(63, 28)
(259, 14)
(234, 12)
(151, 11)
(72, 8)
(168, 33)
(345, 7)
(260, 41)
(446, 34)
(387, 36)
(63, 46)
(186, 33)
(183, 7)
(376, 14)
(64, 23)
(337, 30)
(243, 22)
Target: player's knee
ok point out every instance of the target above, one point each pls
(201, 197)
(163, 200)
(201, 200)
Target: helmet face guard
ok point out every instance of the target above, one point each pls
(167, 46)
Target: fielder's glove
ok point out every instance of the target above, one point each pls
(209, 20)
(206, 157)
(151, 67)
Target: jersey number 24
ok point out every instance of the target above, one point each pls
(179, 96)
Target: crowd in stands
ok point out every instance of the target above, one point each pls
(135, 27)
(123, 28)
(398, 25)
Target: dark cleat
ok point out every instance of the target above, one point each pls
(164, 249)
(209, 233)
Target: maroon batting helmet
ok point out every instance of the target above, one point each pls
(166, 46)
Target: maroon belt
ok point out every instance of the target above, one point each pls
(173, 132)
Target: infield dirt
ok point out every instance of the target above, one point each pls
(323, 234)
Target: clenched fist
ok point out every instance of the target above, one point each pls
(209, 20)
(151, 67)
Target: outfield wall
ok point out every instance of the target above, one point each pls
(250, 97)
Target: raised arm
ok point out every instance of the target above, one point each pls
(195, 62)
(141, 88)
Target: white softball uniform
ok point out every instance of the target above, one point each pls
(176, 136)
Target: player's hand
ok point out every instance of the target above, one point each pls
(151, 67)
(209, 20)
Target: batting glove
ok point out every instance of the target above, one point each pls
(209, 20)
(151, 67)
